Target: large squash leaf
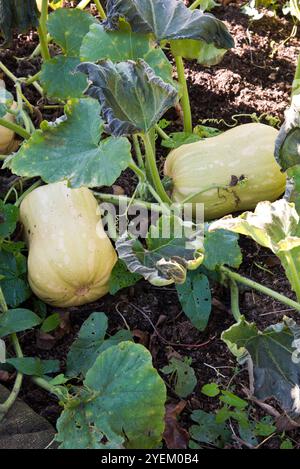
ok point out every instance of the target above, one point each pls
(119, 46)
(168, 19)
(71, 149)
(121, 405)
(90, 343)
(133, 98)
(275, 356)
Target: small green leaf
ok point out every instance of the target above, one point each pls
(183, 374)
(71, 149)
(287, 444)
(221, 247)
(59, 79)
(34, 366)
(195, 298)
(232, 400)
(121, 278)
(51, 323)
(90, 343)
(210, 390)
(8, 219)
(13, 268)
(121, 406)
(265, 427)
(208, 430)
(180, 138)
(68, 27)
(17, 320)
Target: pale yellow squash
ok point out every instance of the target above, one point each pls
(227, 173)
(70, 256)
(6, 135)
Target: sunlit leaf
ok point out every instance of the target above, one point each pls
(71, 149)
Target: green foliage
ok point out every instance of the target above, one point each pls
(210, 390)
(13, 269)
(133, 98)
(17, 320)
(221, 248)
(90, 343)
(182, 375)
(195, 298)
(121, 404)
(71, 149)
(121, 278)
(8, 219)
(51, 323)
(34, 366)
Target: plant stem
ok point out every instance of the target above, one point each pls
(150, 158)
(81, 5)
(42, 31)
(100, 9)
(140, 174)
(185, 100)
(30, 189)
(162, 134)
(116, 199)
(32, 79)
(42, 383)
(8, 72)
(261, 288)
(15, 128)
(296, 82)
(138, 151)
(294, 273)
(195, 4)
(4, 408)
(234, 295)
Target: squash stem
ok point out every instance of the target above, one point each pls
(234, 295)
(42, 31)
(116, 199)
(15, 128)
(161, 133)
(261, 288)
(42, 383)
(100, 9)
(150, 158)
(8, 73)
(195, 4)
(4, 408)
(139, 172)
(296, 82)
(185, 100)
(84, 3)
(138, 151)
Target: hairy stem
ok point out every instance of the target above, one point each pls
(261, 288)
(42, 31)
(100, 9)
(234, 296)
(161, 133)
(15, 128)
(117, 199)
(138, 152)
(185, 100)
(150, 158)
(139, 172)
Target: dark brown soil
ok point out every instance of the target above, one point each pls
(255, 77)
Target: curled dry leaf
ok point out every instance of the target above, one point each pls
(175, 436)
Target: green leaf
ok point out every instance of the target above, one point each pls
(123, 403)
(232, 400)
(68, 27)
(274, 353)
(13, 267)
(287, 152)
(70, 149)
(133, 98)
(210, 390)
(205, 54)
(121, 278)
(51, 323)
(183, 374)
(168, 19)
(59, 79)
(180, 138)
(119, 46)
(265, 427)
(34, 366)
(173, 247)
(17, 320)
(195, 298)
(208, 430)
(221, 248)
(90, 343)
(287, 444)
(8, 219)
(205, 131)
